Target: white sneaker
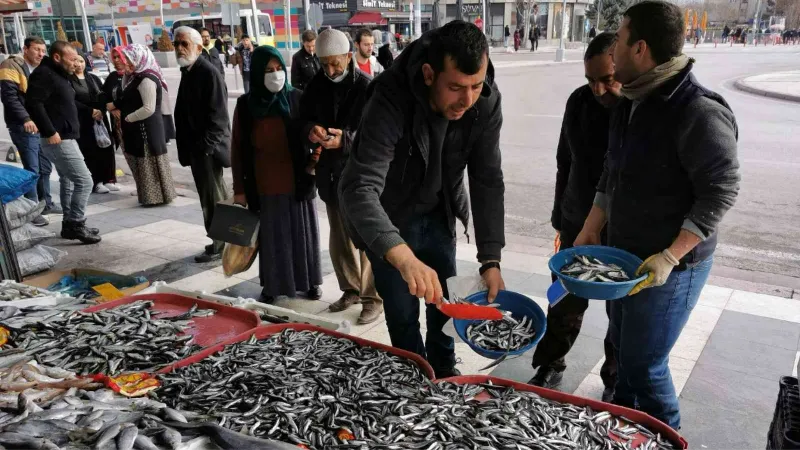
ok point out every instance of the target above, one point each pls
(111, 187)
(100, 189)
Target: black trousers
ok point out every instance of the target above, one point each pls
(564, 325)
(207, 174)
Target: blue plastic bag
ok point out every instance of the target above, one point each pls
(14, 182)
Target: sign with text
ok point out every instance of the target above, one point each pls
(332, 5)
(471, 9)
(386, 5)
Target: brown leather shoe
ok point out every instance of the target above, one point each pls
(370, 312)
(348, 299)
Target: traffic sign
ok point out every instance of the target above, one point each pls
(315, 16)
(479, 23)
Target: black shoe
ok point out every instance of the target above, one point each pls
(547, 378)
(55, 209)
(268, 299)
(93, 231)
(446, 372)
(40, 221)
(314, 293)
(608, 395)
(208, 257)
(78, 232)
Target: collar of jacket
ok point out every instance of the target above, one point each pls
(50, 64)
(666, 91)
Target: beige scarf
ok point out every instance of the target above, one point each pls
(647, 83)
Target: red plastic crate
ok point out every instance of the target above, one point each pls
(227, 323)
(268, 330)
(650, 422)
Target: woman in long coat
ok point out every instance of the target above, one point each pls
(271, 175)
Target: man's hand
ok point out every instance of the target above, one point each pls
(422, 280)
(494, 282)
(240, 199)
(317, 135)
(557, 242)
(116, 113)
(97, 115)
(110, 106)
(30, 127)
(336, 142)
(54, 139)
(587, 237)
(658, 267)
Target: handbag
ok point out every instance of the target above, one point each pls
(101, 135)
(237, 258)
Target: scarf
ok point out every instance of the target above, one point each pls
(144, 63)
(650, 81)
(261, 102)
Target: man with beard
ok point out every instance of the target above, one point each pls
(671, 173)
(366, 61)
(51, 104)
(202, 127)
(580, 155)
(210, 52)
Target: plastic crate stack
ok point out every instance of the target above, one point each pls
(784, 431)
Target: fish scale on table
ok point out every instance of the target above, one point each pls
(589, 268)
(324, 392)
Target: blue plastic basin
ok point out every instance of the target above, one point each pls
(519, 305)
(597, 290)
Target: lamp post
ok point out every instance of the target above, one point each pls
(561, 52)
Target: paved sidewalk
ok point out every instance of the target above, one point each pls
(780, 85)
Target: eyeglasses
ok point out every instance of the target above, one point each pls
(184, 44)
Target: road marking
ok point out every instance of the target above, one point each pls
(756, 251)
(549, 116)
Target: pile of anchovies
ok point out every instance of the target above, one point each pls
(508, 334)
(122, 339)
(323, 392)
(14, 291)
(589, 268)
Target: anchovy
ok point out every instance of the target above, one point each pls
(508, 334)
(589, 268)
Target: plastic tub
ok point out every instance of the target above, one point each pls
(650, 422)
(519, 305)
(268, 330)
(597, 290)
(227, 323)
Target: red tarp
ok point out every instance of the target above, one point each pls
(8, 6)
(364, 18)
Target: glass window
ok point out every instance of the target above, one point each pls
(264, 26)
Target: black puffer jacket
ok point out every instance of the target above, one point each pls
(51, 101)
(304, 67)
(334, 105)
(381, 183)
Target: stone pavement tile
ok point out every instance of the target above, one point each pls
(83, 256)
(138, 241)
(301, 304)
(730, 390)
(471, 362)
(245, 289)
(189, 214)
(514, 279)
(771, 332)
(169, 272)
(516, 368)
(466, 268)
(681, 370)
(132, 263)
(705, 426)
(379, 333)
(207, 281)
(747, 357)
(750, 286)
(536, 284)
(177, 250)
(160, 226)
(765, 306)
(326, 265)
(690, 344)
(591, 387)
(128, 218)
(704, 318)
(126, 202)
(95, 209)
(110, 197)
(580, 360)
(595, 321)
(190, 233)
(715, 296)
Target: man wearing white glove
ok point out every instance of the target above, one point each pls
(671, 174)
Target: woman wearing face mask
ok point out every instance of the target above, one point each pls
(141, 100)
(88, 99)
(269, 162)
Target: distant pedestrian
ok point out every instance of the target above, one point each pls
(535, 42)
(305, 63)
(506, 36)
(243, 56)
(210, 51)
(592, 33)
(98, 59)
(725, 33)
(385, 55)
(698, 34)
(517, 41)
(51, 103)
(202, 128)
(364, 44)
(15, 73)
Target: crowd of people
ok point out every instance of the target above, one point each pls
(646, 162)
(519, 34)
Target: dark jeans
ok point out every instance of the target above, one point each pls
(207, 173)
(33, 161)
(644, 328)
(564, 323)
(433, 243)
(246, 81)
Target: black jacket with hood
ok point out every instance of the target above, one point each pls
(51, 101)
(383, 178)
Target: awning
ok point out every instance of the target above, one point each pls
(364, 18)
(7, 6)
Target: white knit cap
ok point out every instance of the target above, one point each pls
(331, 43)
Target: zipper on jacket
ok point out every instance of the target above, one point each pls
(405, 165)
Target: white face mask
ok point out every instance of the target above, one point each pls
(274, 81)
(339, 78)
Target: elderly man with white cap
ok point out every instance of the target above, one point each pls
(331, 108)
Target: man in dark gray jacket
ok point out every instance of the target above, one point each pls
(671, 173)
(435, 112)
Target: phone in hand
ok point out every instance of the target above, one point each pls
(330, 137)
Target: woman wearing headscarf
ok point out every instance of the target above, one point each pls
(112, 90)
(141, 103)
(272, 176)
(91, 110)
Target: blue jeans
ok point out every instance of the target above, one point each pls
(644, 328)
(74, 177)
(33, 161)
(433, 243)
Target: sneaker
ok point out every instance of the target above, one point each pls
(208, 257)
(111, 187)
(314, 293)
(40, 221)
(547, 377)
(608, 395)
(348, 299)
(78, 231)
(54, 209)
(370, 312)
(99, 188)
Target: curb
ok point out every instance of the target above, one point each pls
(743, 86)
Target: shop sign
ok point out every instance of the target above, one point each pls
(332, 5)
(471, 9)
(390, 5)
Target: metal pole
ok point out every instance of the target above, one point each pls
(287, 14)
(485, 18)
(306, 7)
(85, 21)
(254, 10)
(161, 12)
(757, 21)
(418, 20)
(3, 32)
(599, 7)
(113, 22)
(16, 34)
(560, 53)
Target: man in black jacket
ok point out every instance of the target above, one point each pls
(671, 173)
(305, 63)
(434, 113)
(202, 127)
(14, 74)
(51, 104)
(210, 52)
(333, 108)
(580, 155)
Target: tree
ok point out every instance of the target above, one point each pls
(164, 43)
(789, 9)
(112, 5)
(610, 13)
(525, 9)
(60, 34)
